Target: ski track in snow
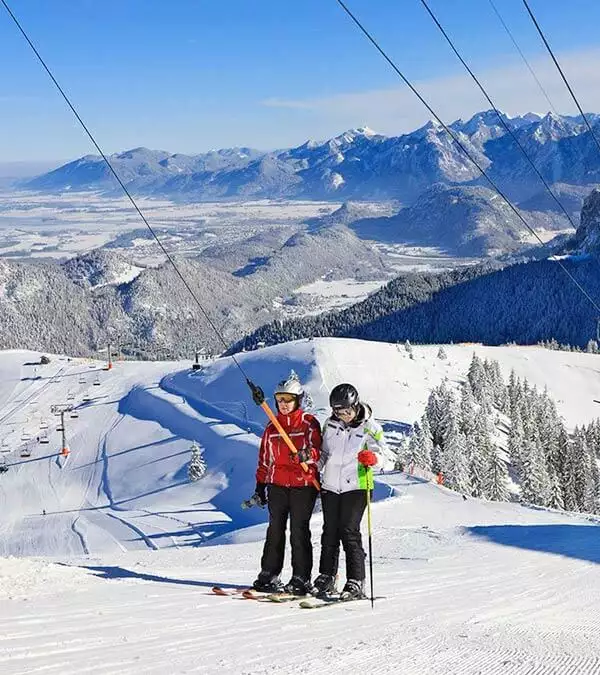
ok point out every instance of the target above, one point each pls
(470, 587)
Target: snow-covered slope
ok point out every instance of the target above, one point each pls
(470, 586)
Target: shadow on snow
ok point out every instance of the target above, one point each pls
(572, 541)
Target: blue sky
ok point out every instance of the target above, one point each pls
(190, 75)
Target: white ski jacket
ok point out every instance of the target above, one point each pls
(338, 464)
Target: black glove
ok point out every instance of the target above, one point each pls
(303, 456)
(261, 492)
(258, 395)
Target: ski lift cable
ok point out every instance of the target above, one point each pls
(523, 57)
(458, 142)
(120, 182)
(257, 393)
(560, 70)
(498, 113)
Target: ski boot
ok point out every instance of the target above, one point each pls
(268, 583)
(298, 586)
(325, 585)
(353, 590)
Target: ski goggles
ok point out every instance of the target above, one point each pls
(285, 398)
(343, 412)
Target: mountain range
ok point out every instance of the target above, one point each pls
(358, 164)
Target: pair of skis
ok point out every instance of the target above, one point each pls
(306, 602)
(251, 594)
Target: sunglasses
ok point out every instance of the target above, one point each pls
(344, 412)
(285, 398)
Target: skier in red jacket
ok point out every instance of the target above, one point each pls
(282, 483)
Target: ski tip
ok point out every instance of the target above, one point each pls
(249, 594)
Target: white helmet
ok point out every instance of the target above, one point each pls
(290, 386)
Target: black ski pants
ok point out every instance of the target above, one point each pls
(297, 503)
(342, 514)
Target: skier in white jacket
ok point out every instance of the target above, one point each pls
(352, 443)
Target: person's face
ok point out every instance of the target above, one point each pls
(345, 414)
(286, 403)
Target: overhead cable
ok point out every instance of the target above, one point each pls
(458, 142)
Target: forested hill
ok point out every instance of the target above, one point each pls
(406, 291)
(524, 303)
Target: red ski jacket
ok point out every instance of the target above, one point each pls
(276, 462)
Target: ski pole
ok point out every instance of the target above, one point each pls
(370, 481)
(259, 398)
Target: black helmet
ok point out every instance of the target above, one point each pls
(343, 396)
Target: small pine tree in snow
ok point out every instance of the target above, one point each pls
(408, 347)
(442, 354)
(197, 465)
(591, 347)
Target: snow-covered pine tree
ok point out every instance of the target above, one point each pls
(435, 410)
(534, 479)
(497, 478)
(454, 459)
(478, 379)
(516, 438)
(568, 477)
(593, 487)
(468, 410)
(197, 465)
(442, 354)
(478, 468)
(498, 389)
(549, 426)
(556, 494)
(408, 347)
(480, 448)
(581, 469)
(426, 444)
(514, 392)
(592, 347)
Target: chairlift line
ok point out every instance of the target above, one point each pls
(122, 184)
(455, 138)
(560, 70)
(523, 57)
(498, 114)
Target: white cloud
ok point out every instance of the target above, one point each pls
(513, 90)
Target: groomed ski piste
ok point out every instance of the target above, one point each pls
(116, 576)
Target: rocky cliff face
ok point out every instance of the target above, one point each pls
(587, 238)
